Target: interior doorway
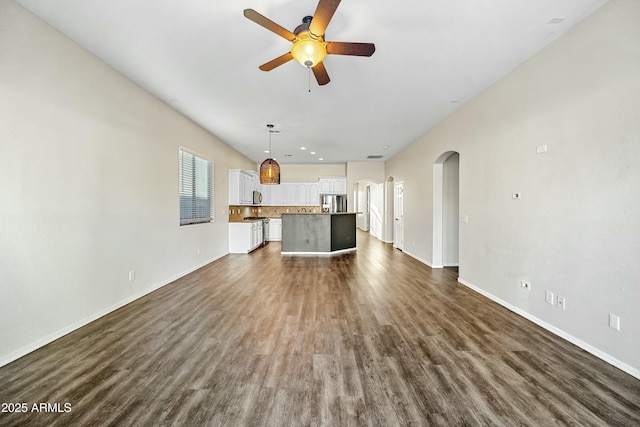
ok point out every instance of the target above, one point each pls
(446, 209)
(389, 211)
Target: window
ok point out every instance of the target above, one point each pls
(196, 189)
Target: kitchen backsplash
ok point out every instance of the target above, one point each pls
(238, 213)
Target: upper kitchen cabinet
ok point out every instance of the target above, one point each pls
(291, 193)
(313, 194)
(242, 184)
(333, 185)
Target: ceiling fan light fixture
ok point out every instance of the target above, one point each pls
(308, 50)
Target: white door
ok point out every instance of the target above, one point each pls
(367, 215)
(398, 238)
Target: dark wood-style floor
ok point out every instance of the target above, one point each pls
(369, 338)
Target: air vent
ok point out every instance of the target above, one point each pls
(374, 156)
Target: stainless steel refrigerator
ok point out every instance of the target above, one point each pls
(333, 202)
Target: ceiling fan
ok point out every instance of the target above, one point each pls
(309, 46)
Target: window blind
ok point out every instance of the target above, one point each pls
(196, 189)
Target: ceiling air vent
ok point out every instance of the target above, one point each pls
(377, 156)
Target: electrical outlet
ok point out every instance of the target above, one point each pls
(614, 322)
(132, 275)
(525, 285)
(549, 297)
(561, 302)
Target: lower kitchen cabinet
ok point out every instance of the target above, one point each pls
(275, 229)
(244, 236)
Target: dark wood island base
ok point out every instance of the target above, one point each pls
(318, 233)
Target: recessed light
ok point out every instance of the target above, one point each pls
(386, 147)
(313, 152)
(303, 148)
(320, 158)
(266, 151)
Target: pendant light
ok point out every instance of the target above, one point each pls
(270, 169)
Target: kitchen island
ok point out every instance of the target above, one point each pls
(318, 233)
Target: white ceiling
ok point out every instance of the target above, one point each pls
(202, 57)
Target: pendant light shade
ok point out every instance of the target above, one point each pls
(270, 169)
(270, 172)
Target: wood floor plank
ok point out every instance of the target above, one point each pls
(371, 338)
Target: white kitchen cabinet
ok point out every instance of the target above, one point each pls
(313, 194)
(298, 193)
(339, 186)
(255, 181)
(291, 193)
(278, 195)
(333, 185)
(326, 185)
(241, 187)
(275, 229)
(265, 190)
(244, 236)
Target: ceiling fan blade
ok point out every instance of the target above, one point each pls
(268, 66)
(321, 74)
(347, 48)
(269, 24)
(323, 14)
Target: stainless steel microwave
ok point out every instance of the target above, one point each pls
(257, 197)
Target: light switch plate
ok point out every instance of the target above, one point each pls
(549, 297)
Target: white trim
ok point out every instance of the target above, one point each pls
(422, 260)
(559, 332)
(64, 331)
(451, 265)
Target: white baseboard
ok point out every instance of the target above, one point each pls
(559, 332)
(4, 360)
(422, 260)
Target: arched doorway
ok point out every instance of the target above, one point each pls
(446, 207)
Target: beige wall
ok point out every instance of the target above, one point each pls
(362, 171)
(575, 230)
(88, 177)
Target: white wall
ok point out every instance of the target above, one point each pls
(576, 229)
(88, 184)
(376, 211)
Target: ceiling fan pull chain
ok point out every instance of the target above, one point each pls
(309, 68)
